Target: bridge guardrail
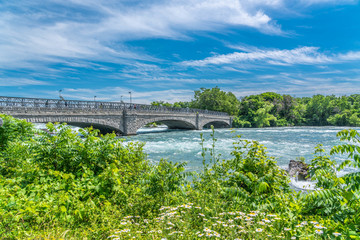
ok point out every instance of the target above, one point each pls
(15, 103)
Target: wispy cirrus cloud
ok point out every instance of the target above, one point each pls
(9, 81)
(37, 32)
(301, 55)
(349, 56)
(100, 43)
(48, 32)
(299, 84)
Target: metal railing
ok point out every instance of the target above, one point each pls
(13, 103)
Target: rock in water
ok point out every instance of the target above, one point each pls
(299, 168)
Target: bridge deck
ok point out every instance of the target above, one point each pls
(9, 103)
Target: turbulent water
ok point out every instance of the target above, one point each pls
(284, 143)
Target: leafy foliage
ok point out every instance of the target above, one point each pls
(14, 130)
(58, 184)
(212, 99)
(336, 197)
(273, 109)
(216, 100)
(64, 180)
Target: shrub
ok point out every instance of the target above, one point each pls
(61, 180)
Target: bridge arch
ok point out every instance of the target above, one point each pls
(216, 124)
(104, 129)
(178, 123)
(104, 125)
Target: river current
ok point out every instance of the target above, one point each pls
(283, 143)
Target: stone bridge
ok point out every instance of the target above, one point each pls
(122, 118)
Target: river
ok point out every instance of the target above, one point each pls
(283, 143)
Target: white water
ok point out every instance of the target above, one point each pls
(283, 143)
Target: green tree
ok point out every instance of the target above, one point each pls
(319, 109)
(216, 100)
(354, 120)
(263, 118)
(161, 103)
(182, 104)
(247, 110)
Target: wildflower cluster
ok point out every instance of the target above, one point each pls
(189, 221)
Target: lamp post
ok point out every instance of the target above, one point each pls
(60, 93)
(130, 98)
(94, 98)
(121, 97)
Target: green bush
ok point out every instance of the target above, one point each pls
(282, 123)
(241, 123)
(62, 180)
(57, 184)
(14, 130)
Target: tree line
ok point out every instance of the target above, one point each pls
(271, 109)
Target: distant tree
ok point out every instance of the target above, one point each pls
(272, 109)
(248, 107)
(319, 109)
(161, 103)
(354, 120)
(182, 104)
(271, 96)
(263, 118)
(216, 100)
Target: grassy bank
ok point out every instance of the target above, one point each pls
(60, 185)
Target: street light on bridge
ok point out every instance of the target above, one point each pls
(130, 98)
(60, 93)
(94, 98)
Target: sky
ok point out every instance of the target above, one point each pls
(163, 50)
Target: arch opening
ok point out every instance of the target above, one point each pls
(217, 124)
(177, 124)
(102, 128)
(173, 124)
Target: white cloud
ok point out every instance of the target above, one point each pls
(97, 30)
(11, 82)
(301, 55)
(299, 85)
(37, 33)
(350, 56)
(172, 18)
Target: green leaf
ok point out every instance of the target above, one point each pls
(63, 209)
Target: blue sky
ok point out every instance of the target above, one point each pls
(164, 50)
